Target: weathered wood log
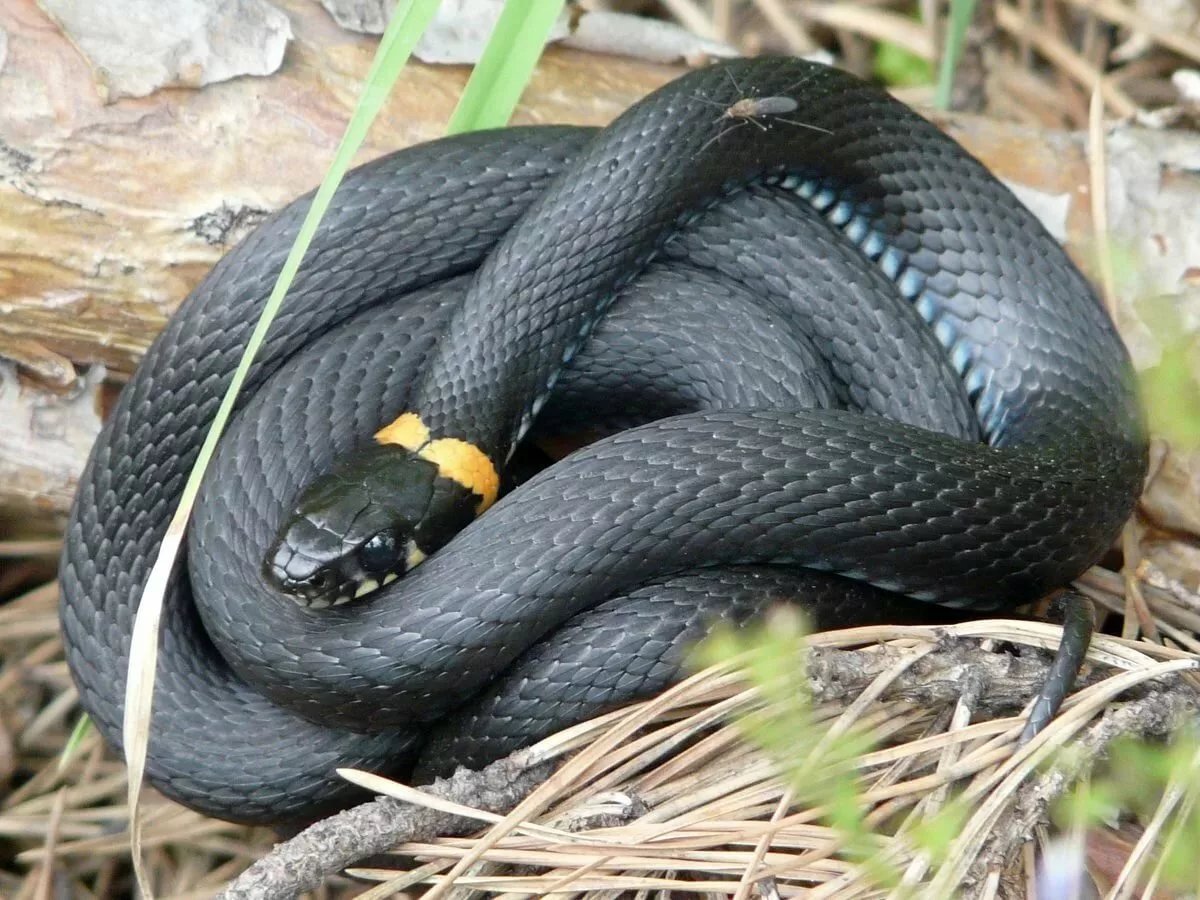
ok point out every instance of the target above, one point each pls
(110, 213)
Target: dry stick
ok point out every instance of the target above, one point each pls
(332, 844)
(1097, 156)
(1071, 63)
(869, 695)
(335, 843)
(1154, 715)
(1180, 40)
(780, 18)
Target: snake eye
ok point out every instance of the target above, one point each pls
(378, 553)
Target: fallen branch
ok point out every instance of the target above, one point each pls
(302, 863)
(1004, 683)
(1155, 715)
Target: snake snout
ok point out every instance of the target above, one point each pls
(317, 569)
(308, 581)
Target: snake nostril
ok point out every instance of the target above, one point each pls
(320, 582)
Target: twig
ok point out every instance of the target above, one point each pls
(1181, 40)
(335, 843)
(1072, 64)
(332, 844)
(1154, 715)
(1007, 682)
(780, 17)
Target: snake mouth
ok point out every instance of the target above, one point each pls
(361, 583)
(353, 590)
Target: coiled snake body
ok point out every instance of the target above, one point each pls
(783, 282)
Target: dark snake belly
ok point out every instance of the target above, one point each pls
(974, 441)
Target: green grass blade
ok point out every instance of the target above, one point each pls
(408, 23)
(507, 63)
(961, 12)
(405, 28)
(74, 740)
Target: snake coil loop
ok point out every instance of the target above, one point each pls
(880, 377)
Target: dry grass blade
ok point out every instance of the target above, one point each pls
(389, 788)
(573, 772)
(1187, 802)
(753, 868)
(689, 804)
(714, 814)
(1067, 59)
(1098, 174)
(400, 36)
(1141, 856)
(1024, 763)
(1182, 41)
(692, 17)
(875, 24)
(709, 810)
(392, 884)
(21, 549)
(139, 688)
(65, 821)
(778, 15)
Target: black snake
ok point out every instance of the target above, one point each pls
(874, 363)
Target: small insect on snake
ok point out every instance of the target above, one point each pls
(751, 109)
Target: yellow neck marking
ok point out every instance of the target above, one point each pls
(460, 461)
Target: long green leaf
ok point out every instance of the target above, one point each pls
(506, 66)
(409, 21)
(74, 741)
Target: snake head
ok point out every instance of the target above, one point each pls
(374, 517)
